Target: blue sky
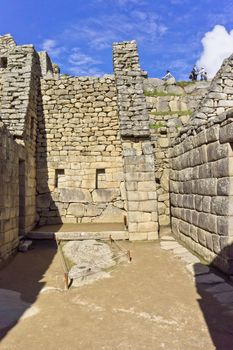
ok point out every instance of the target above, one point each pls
(78, 34)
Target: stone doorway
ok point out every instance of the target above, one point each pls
(21, 197)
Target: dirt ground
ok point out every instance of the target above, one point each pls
(150, 303)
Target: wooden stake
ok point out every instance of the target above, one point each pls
(66, 280)
(129, 255)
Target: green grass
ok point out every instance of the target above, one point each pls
(184, 83)
(159, 93)
(179, 113)
(157, 125)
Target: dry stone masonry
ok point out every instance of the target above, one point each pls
(121, 148)
(169, 107)
(201, 176)
(79, 152)
(139, 177)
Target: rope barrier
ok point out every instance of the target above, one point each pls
(66, 268)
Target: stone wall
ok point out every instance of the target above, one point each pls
(9, 199)
(20, 73)
(138, 156)
(79, 152)
(201, 177)
(1, 82)
(82, 149)
(170, 105)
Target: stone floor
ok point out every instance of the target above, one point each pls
(163, 299)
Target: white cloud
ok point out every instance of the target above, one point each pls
(83, 64)
(51, 46)
(101, 32)
(79, 58)
(217, 45)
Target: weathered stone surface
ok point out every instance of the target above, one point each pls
(75, 195)
(210, 278)
(76, 209)
(105, 195)
(197, 269)
(43, 200)
(92, 210)
(111, 214)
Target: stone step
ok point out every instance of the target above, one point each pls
(116, 235)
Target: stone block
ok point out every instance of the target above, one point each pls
(209, 241)
(147, 227)
(163, 197)
(226, 133)
(184, 227)
(138, 236)
(92, 210)
(111, 214)
(43, 200)
(223, 225)
(138, 216)
(216, 244)
(147, 206)
(212, 134)
(164, 180)
(220, 206)
(206, 203)
(132, 226)
(146, 186)
(123, 191)
(217, 151)
(206, 187)
(208, 222)
(225, 103)
(193, 233)
(161, 208)
(225, 186)
(153, 236)
(164, 220)
(75, 195)
(133, 206)
(76, 209)
(220, 168)
(163, 142)
(137, 196)
(105, 195)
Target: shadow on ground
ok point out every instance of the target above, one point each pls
(216, 300)
(20, 283)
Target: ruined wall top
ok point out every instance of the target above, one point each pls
(217, 105)
(7, 42)
(134, 118)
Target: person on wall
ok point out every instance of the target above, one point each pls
(194, 73)
(167, 76)
(202, 72)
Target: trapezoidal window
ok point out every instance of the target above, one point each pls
(100, 178)
(3, 62)
(58, 174)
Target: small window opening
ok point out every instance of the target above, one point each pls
(231, 144)
(58, 173)
(3, 62)
(157, 180)
(100, 177)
